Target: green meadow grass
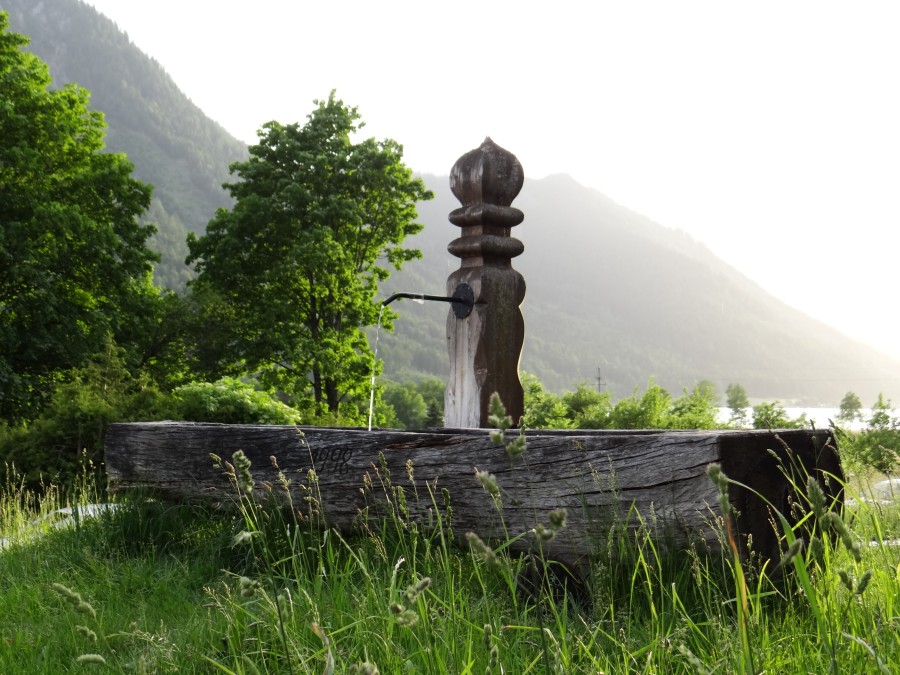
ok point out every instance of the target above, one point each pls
(148, 587)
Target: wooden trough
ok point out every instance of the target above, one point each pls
(652, 479)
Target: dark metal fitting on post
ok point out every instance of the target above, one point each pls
(462, 300)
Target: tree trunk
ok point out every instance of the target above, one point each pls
(653, 480)
(332, 395)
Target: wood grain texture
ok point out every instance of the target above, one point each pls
(655, 479)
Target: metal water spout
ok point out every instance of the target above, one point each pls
(486, 344)
(462, 299)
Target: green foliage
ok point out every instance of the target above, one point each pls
(416, 405)
(69, 433)
(850, 408)
(878, 445)
(230, 401)
(737, 401)
(408, 404)
(543, 409)
(696, 409)
(586, 408)
(882, 415)
(298, 260)
(649, 410)
(150, 587)
(772, 415)
(173, 144)
(73, 258)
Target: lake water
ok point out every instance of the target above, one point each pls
(821, 417)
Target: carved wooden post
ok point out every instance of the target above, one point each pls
(486, 343)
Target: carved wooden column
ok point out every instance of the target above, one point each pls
(485, 344)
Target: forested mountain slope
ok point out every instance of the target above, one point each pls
(607, 288)
(611, 289)
(173, 145)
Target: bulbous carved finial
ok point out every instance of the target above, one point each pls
(485, 345)
(486, 180)
(487, 175)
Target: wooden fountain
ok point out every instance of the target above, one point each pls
(645, 480)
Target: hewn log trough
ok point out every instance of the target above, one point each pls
(601, 478)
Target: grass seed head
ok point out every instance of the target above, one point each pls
(87, 633)
(557, 518)
(242, 471)
(489, 482)
(543, 534)
(863, 582)
(482, 550)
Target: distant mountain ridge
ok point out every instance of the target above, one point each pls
(610, 292)
(173, 145)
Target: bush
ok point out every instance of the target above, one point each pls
(230, 401)
(543, 409)
(878, 445)
(410, 408)
(774, 416)
(69, 433)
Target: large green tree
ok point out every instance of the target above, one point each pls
(296, 263)
(74, 267)
(737, 401)
(851, 408)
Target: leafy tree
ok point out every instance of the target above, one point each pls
(697, 409)
(707, 389)
(543, 409)
(882, 415)
(298, 259)
(737, 401)
(880, 441)
(74, 265)
(851, 408)
(774, 416)
(432, 390)
(647, 411)
(878, 445)
(408, 404)
(588, 408)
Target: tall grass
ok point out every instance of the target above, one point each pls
(269, 588)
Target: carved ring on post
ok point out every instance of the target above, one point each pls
(463, 300)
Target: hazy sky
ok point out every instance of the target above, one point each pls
(770, 131)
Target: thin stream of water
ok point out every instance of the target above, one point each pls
(421, 301)
(374, 366)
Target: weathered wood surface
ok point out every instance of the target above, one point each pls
(484, 346)
(598, 477)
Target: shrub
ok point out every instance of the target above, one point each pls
(774, 416)
(230, 401)
(878, 445)
(70, 431)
